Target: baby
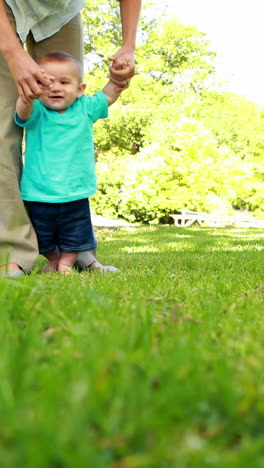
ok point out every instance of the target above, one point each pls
(59, 171)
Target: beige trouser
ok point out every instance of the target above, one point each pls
(18, 243)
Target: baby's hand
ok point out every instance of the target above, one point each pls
(47, 77)
(122, 68)
(121, 64)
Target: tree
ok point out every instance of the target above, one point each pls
(171, 140)
(235, 121)
(167, 48)
(102, 31)
(177, 55)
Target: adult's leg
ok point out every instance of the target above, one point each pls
(18, 243)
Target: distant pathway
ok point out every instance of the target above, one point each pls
(107, 222)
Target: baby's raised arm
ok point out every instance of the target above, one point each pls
(24, 110)
(111, 92)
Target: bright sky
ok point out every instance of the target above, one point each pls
(236, 30)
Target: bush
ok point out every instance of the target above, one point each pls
(182, 168)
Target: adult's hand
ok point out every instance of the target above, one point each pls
(24, 69)
(122, 68)
(27, 74)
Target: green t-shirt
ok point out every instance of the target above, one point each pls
(59, 160)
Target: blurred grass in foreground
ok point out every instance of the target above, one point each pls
(161, 366)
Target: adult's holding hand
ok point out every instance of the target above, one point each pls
(25, 71)
(122, 68)
(123, 62)
(28, 75)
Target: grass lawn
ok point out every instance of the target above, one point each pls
(161, 366)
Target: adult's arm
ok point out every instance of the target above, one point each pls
(26, 72)
(123, 66)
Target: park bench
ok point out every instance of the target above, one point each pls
(186, 218)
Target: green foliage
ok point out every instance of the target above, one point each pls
(124, 131)
(174, 51)
(171, 172)
(101, 21)
(172, 141)
(234, 121)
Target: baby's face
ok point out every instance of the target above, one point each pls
(65, 87)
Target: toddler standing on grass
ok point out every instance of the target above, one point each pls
(59, 172)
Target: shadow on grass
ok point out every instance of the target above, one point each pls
(165, 238)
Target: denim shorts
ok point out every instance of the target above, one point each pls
(67, 226)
